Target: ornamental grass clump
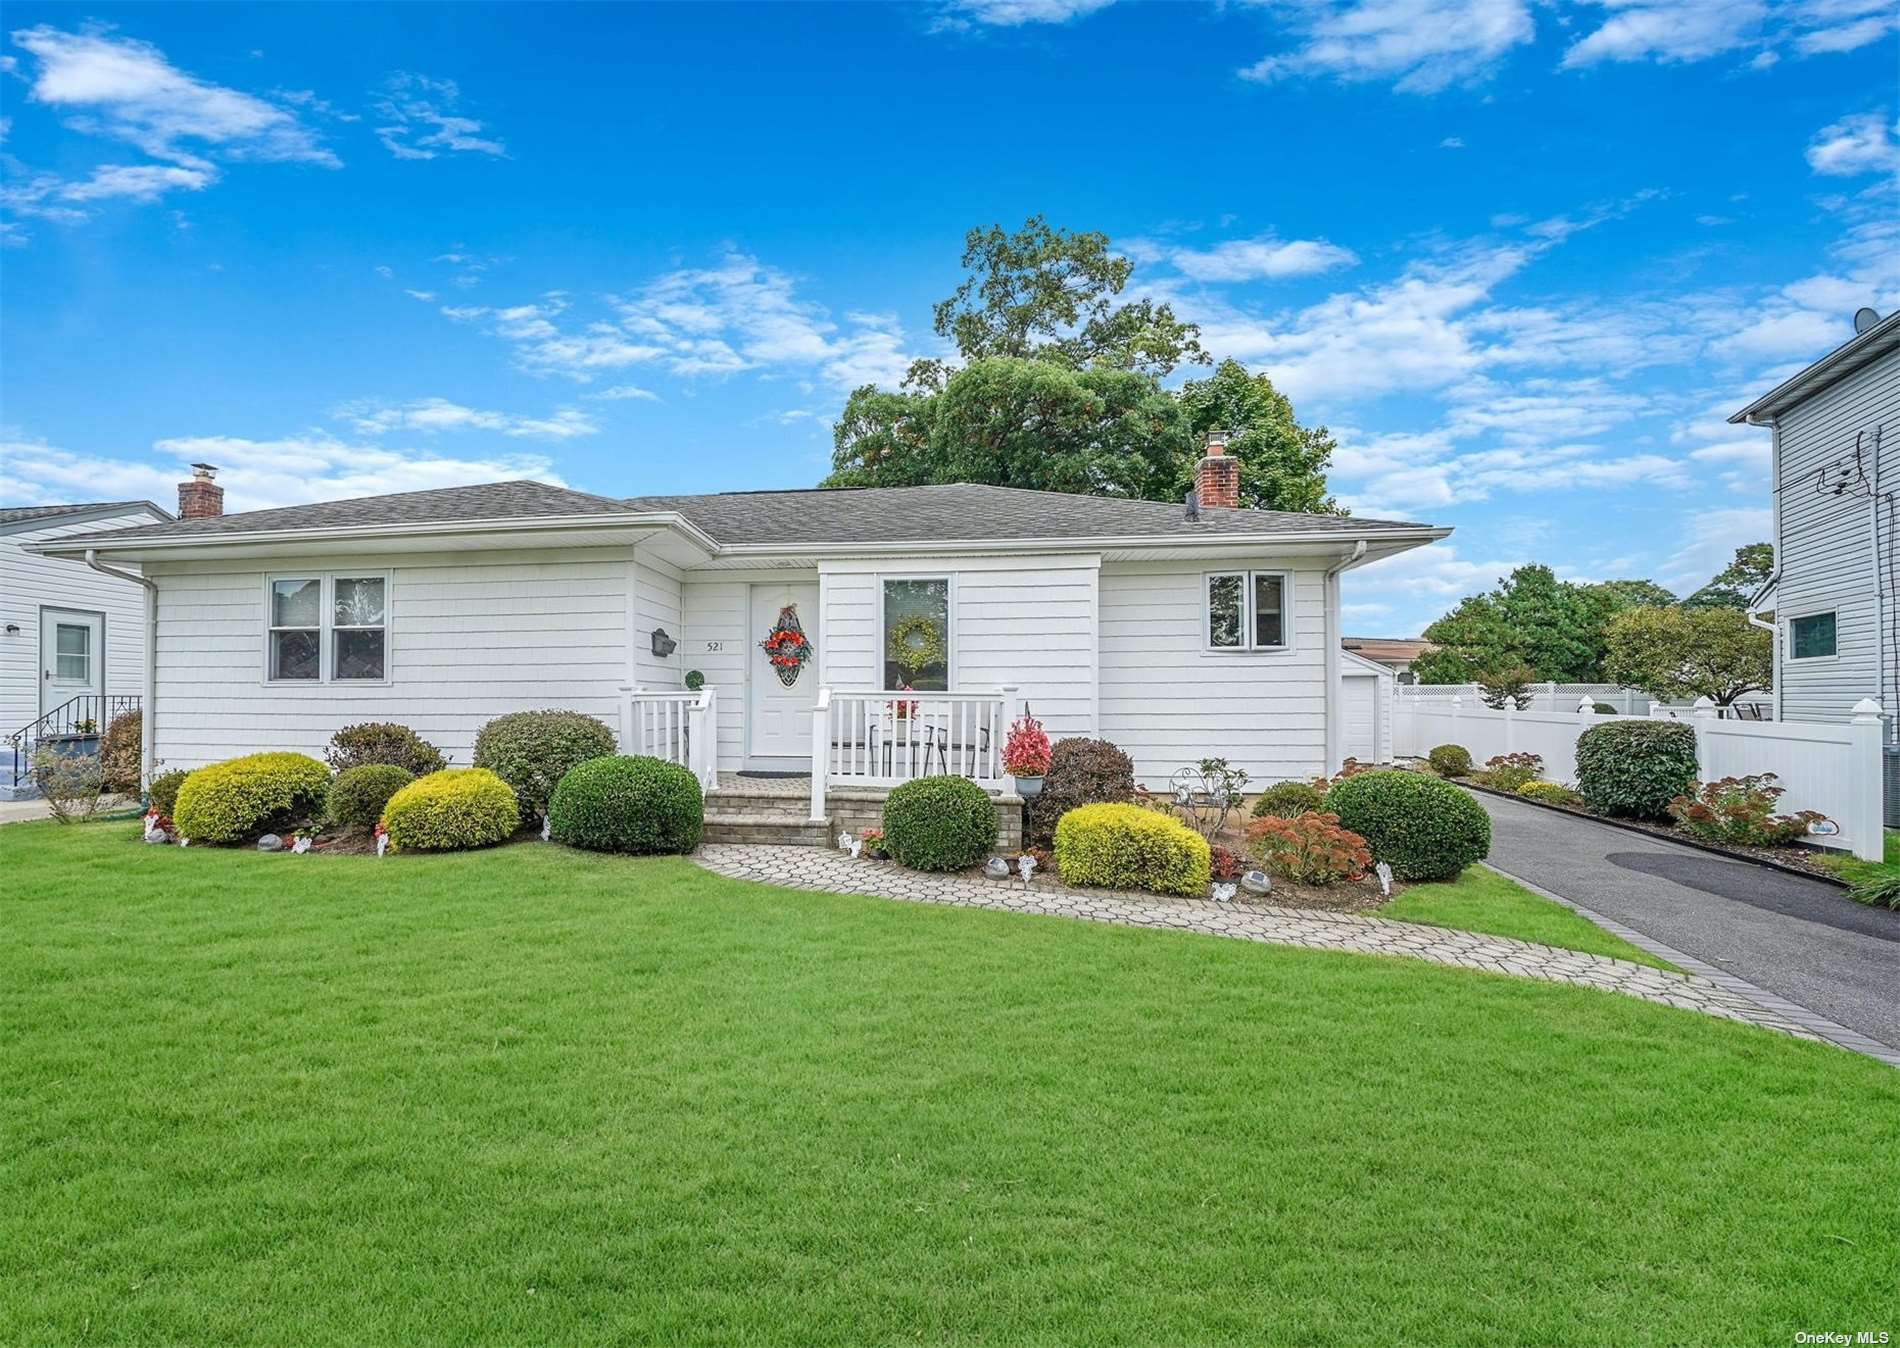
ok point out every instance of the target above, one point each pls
(1741, 810)
(1311, 848)
(939, 824)
(1635, 768)
(1128, 847)
(1421, 827)
(243, 798)
(634, 805)
(451, 811)
(533, 750)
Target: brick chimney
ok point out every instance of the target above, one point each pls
(1217, 477)
(200, 498)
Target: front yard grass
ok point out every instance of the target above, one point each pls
(1857, 872)
(1483, 900)
(538, 1096)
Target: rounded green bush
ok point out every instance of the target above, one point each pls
(533, 750)
(451, 810)
(164, 793)
(1129, 847)
(939, 824)
(1635, 768)
(1287, 800)
(1423, 828)
(635, 805)
(245, 797)
(1450, 760)
(1081, 772)
(384, 742)
(358, 794)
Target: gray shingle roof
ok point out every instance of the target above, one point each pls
(957, 513)
(20, 514)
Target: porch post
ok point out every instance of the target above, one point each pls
(627, 691)
(1866, 770)
(820, 752)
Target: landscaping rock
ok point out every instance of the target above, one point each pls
(996, 868)
(270, 842)
(1257, 882)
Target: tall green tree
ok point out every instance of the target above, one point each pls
(1680, 652)
(1738, 582)
(1552, 626)
(1617, 595)
(1282, 463)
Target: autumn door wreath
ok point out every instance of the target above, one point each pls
(786, 646)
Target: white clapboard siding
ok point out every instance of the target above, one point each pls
(658, 603)
(1826, 544)
(29, 582)
(472, 635)
(1169, 702)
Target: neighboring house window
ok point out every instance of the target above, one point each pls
(296, 628)
(345, 615)
(1249, 610)
(357, 621)
(1811, 636)
(72, 653)
(917, 634)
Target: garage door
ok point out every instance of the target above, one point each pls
(1360, 701)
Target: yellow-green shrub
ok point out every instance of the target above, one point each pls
(245, 797)
(451, 810)
(1127, 847)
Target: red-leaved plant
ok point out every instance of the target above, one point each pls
(1026, 752)
(1352, 767)
(1312, 848)
(1741, 810)
(1223, 864)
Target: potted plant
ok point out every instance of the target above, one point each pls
(873, 841)
(1026, 754)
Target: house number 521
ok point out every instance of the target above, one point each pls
(712, 646)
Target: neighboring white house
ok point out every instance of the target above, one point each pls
(1836, 589)
(1177, 633)
(72, 641)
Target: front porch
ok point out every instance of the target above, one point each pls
(755, 808)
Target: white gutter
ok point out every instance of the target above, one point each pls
(1092, 544)
(1331, 626)
(148, 701)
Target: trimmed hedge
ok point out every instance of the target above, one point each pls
(384, 742)
(164, 793)
(1423, 828)
(1450, 760)
(1081, 772)
(533, 750)
(1287, 800)
(451, 810)
(939, 824)
(1635, 768)
(358, 794)
(245, 797)
(635, 805)
(1128, 847)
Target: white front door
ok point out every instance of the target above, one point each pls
(1360, 722)
(778, 717)
(72, 656)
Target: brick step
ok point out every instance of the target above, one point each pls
(728, 800)
(779, 830)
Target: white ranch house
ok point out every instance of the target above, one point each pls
(1176, 632)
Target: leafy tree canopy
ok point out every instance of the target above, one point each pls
(1622, 594)
(1738, 582)
(1680, 652)
(1551, 626)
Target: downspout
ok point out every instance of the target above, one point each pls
(1332, 652)
(148, 701)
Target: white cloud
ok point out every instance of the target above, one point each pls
(1862, 143)
(1262, 258)
(426, 296)
(256, 474)
(1421, 45)
(1015, 13)
(1452, 143)
(1669, 30)
(1710, 538)
(419, 120)
(136, 182)
(432, 415)
(622, 392)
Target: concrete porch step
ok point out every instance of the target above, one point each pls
(779, 829)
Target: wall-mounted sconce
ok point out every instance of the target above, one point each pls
(663, 645)
(13, 629)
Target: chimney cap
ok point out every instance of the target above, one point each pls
(1217, 442)
(204, 471)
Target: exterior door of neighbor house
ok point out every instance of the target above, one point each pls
(1359, 721)
(72, 656)
(778, 715)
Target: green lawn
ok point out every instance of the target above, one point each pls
(1858, 872)
(1483, 900)
(532, 1096)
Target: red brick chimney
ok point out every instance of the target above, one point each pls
(200, 498)
(1217, 478)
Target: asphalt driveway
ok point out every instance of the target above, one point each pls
(1800, 938)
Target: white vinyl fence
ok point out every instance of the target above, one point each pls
(1834, 768)
(1564, 697)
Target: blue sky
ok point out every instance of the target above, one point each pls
(1522, 257)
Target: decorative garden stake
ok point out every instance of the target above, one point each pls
(1026, 867)
(301, 845)
(547, 828)
(844, 842)
(1224, 893)
(1384, 872)
(382, 839)
(786, 646)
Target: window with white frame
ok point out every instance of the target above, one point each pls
(1249, 610)
(1812, 636)
(342, 614)
(917, 637)
(72, 652)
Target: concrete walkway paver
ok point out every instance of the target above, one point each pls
(833, 872)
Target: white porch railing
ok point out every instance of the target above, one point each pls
(680, 727)
(886, 738)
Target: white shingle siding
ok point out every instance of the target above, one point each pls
(29, 582)
(1168, 701)
(1825, 549)
(471, 635)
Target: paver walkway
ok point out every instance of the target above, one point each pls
(834, 872)
(1801, 939)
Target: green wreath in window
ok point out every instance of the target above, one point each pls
(915, 643)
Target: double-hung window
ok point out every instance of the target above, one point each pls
(327, 627)
(1248, 610)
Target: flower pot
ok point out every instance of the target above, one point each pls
(1028, 787)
